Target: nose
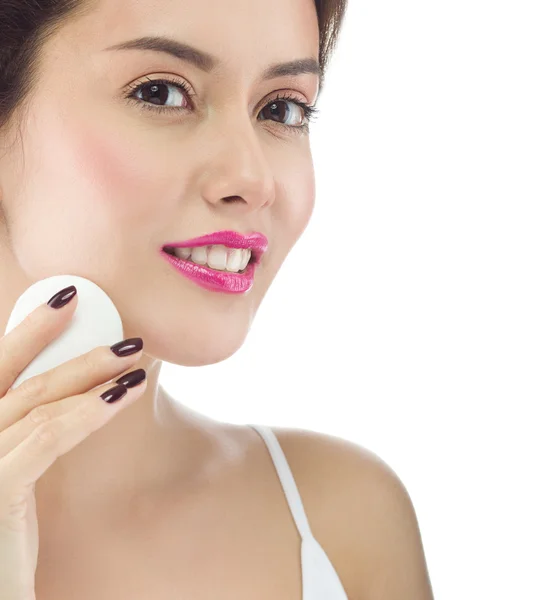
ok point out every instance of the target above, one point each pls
(236, 169)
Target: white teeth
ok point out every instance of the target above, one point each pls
(183, 252)
(233, 261)
(199, 255)
(247, 254)
(217, 257)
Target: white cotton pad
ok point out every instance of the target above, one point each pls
(95, 322)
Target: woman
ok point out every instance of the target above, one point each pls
(112, 149)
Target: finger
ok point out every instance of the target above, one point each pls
(25, 341)
(43, 413)
(71, 378)
(26, 462)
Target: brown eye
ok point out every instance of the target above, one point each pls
(279, 110)
(156, 94)
(160, 93)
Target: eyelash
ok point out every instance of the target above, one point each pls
(310, 112)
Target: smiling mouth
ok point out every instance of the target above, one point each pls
(171, 251)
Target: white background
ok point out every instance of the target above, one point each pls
(417, 315)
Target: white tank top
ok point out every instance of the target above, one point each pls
(319, 578)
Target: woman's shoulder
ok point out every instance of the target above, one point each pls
(360, 511)
(344, 459)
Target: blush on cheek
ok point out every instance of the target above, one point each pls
(92, 185)
(119, 174)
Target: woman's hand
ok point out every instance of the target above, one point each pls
(42, 419)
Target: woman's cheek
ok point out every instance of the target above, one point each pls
(301, 199)
(119, 174)
(80, 204)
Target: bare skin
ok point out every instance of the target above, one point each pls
(203, 515)
(229, 536)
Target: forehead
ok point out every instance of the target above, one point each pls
(236, 31)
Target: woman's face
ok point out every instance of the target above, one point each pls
(101, 183)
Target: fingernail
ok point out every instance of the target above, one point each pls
(114, 394)
(127, 347)
(62, 297)
(132, 379)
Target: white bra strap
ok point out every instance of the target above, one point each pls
(287, 480)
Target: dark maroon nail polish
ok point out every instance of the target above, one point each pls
(127, 347)
(114, 394)
(62, 297)
(132, 379)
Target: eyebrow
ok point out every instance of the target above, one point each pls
(207, 62)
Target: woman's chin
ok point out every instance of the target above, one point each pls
(197, 357)
(192, 344)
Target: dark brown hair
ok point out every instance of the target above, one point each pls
(25, 25)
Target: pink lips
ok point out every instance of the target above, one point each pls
(256, 242)
(220, 281)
